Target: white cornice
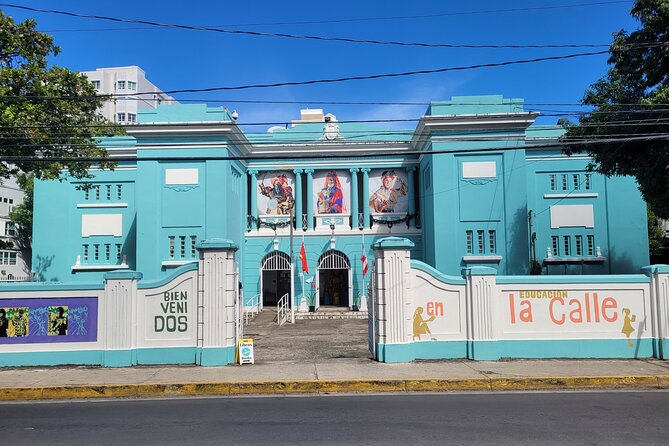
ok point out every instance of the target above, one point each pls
(500, 121)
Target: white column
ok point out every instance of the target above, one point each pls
(394, 302)
(217, 288)
(659, 301)
(482, 329)
(120, 318)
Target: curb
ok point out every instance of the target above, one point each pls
(150, 390)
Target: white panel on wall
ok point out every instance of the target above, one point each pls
(479, 169)
(572, 215)
(102, 224)
(181, 176)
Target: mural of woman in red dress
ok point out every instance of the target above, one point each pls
(331, 197)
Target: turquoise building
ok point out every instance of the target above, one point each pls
(474, 183)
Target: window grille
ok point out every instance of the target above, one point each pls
(591, 245)
(171, 238)
(182, 246)
(579, 245)
(567, 245)
(481, 242)
(470, 242)
(493, 241)
(556, 251)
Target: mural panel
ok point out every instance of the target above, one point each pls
(332, 192)
(275, 193)
(557, 313)
(31, 321)
(389, 191)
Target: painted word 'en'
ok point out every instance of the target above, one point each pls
(435, 308)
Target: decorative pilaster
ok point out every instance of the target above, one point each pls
(310, 201)
(217, 289)
(354, 197)
(298, 198)
(120, 318)
(659, 308)
(365, 196)
(481, 314)
(393, 300)
(412, 200)
(253, 191)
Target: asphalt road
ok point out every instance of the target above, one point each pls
(484, 418)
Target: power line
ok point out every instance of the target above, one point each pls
(645, 121)
(293, 36)
(367, 19)
(320, 155)
(371, 76)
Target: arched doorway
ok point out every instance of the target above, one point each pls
(274, 277)
(334, 279)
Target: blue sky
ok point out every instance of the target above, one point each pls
(177, 59)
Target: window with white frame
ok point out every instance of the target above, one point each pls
(132, 85)
(10, 229)
(132, 117)
(120, 85)
(96, 84)
(481, 241)
(492, 239)
(120, 117)
(7, 258)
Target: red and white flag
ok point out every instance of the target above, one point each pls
(303, 258)
(363, 258)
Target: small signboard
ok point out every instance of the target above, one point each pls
(245, 351)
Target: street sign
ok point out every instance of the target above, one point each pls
(245, 351)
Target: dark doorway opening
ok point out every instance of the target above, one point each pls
(333, 287)
(274, 285)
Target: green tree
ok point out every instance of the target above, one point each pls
(48, 116)
(632, 101)
(655, 235)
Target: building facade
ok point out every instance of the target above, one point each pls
(473, 184)
(14, 259)
(126, 83)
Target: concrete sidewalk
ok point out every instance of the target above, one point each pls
(330, 376)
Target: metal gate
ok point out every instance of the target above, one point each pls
(274, 261)
(334, 259)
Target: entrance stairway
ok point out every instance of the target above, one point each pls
(331, 313)
(307, 340)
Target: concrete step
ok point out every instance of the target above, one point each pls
(331, 314)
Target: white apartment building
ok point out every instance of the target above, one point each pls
(13, 264)
(126, 81)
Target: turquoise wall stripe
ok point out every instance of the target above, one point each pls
(452, 280)
(215, 356)
(535, 349)
(71, 357)
(50, 286)
(170, 355)
(621, 278)
(421, 350)
(576, 348)
(165, 280)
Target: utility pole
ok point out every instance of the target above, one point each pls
(292, 267)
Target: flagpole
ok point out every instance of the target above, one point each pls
(363, 298)
(302, 274)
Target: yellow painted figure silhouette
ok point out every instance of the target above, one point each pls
(420, 325)
(627, 325)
